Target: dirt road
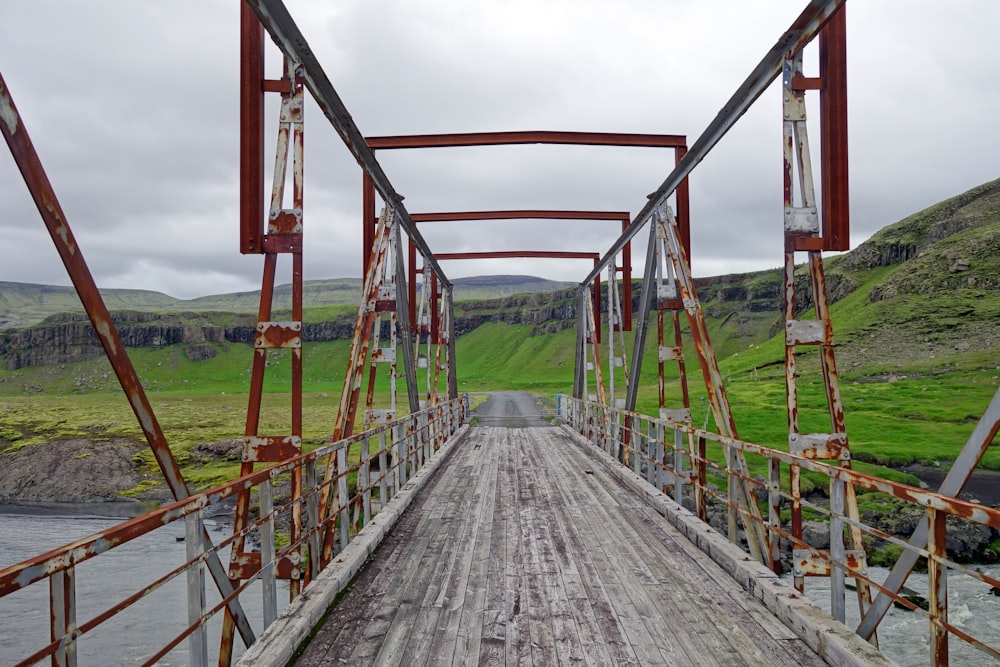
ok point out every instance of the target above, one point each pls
(513, 409)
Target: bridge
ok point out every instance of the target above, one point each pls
(427, 531)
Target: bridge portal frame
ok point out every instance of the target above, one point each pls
(508, 138)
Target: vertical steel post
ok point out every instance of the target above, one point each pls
(268, 568)
(838, 557)
(62, 603)
(42, 193)
(937, 574)
(774, 513)
(251, 132)
(367, 220)
(198, 640)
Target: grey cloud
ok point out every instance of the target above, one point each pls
(133, 106)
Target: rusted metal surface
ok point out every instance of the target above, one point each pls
(802, 31)
(741, 499)
(506, 254)
(527, 137)
(834, 179)
(59, 565)
(803, 229)
(519, 214)
(21, 148)
(583, 416)
(980, 438)
(251, 132)
(277, 21)
(284, 232)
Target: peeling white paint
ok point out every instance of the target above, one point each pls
(7, 113)
(104, 331)
(63, 231)
(144, 416)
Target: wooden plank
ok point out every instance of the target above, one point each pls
(709, 597)
(401, 607)
(526, 550)
(494, 626)
(647, 631)
(466, 582)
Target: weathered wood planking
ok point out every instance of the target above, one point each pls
(524, 550)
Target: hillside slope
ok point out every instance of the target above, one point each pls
(921, 294)
(25, 304)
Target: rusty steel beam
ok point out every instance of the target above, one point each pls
(549, 214)
(833, 132)
(982, 435)
(520, 214)
(504, 254)
(369, 220)
(802, 31)
(527, 137)
(251, 133)
(30, 165)
(286, 34)
(37, 181)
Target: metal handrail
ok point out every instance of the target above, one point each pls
(401, 447)
(680, 465)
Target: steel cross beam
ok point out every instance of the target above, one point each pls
(520, 214)
(505, 254)
(676, 141)
(277, 21)
(28, 162)
(542, 214)
(801, 32)
(529, 137)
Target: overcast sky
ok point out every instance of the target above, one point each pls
(133, 107)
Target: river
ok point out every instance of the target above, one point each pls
(103, 581)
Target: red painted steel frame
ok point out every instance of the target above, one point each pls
(833, 132)
(504, 254)
(528, 137)
(518, 214)
(251, 132)
(675, 141)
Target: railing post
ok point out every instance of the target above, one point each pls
(62, 595)
(399, 458)
(837, 554)
(699, 489)
(383, 469)
(774, 513)
(364, 482)
(343, 499)
(634, 440)
(268, 580)
(678, 466)
(655, 430)
(937, 585)
(312, 527)
(198, 640)
(732, 497)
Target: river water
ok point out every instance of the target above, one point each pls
(102, 582)
(904, 635)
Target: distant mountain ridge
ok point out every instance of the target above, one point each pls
(25, 304)
(922, 293)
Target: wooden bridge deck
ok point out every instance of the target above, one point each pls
(524, 550)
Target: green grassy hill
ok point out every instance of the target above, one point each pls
(916, 316)
(24, 304)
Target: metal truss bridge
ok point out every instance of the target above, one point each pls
(582, 542)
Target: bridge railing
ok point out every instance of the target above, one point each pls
(689, 464)
(370, 469)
